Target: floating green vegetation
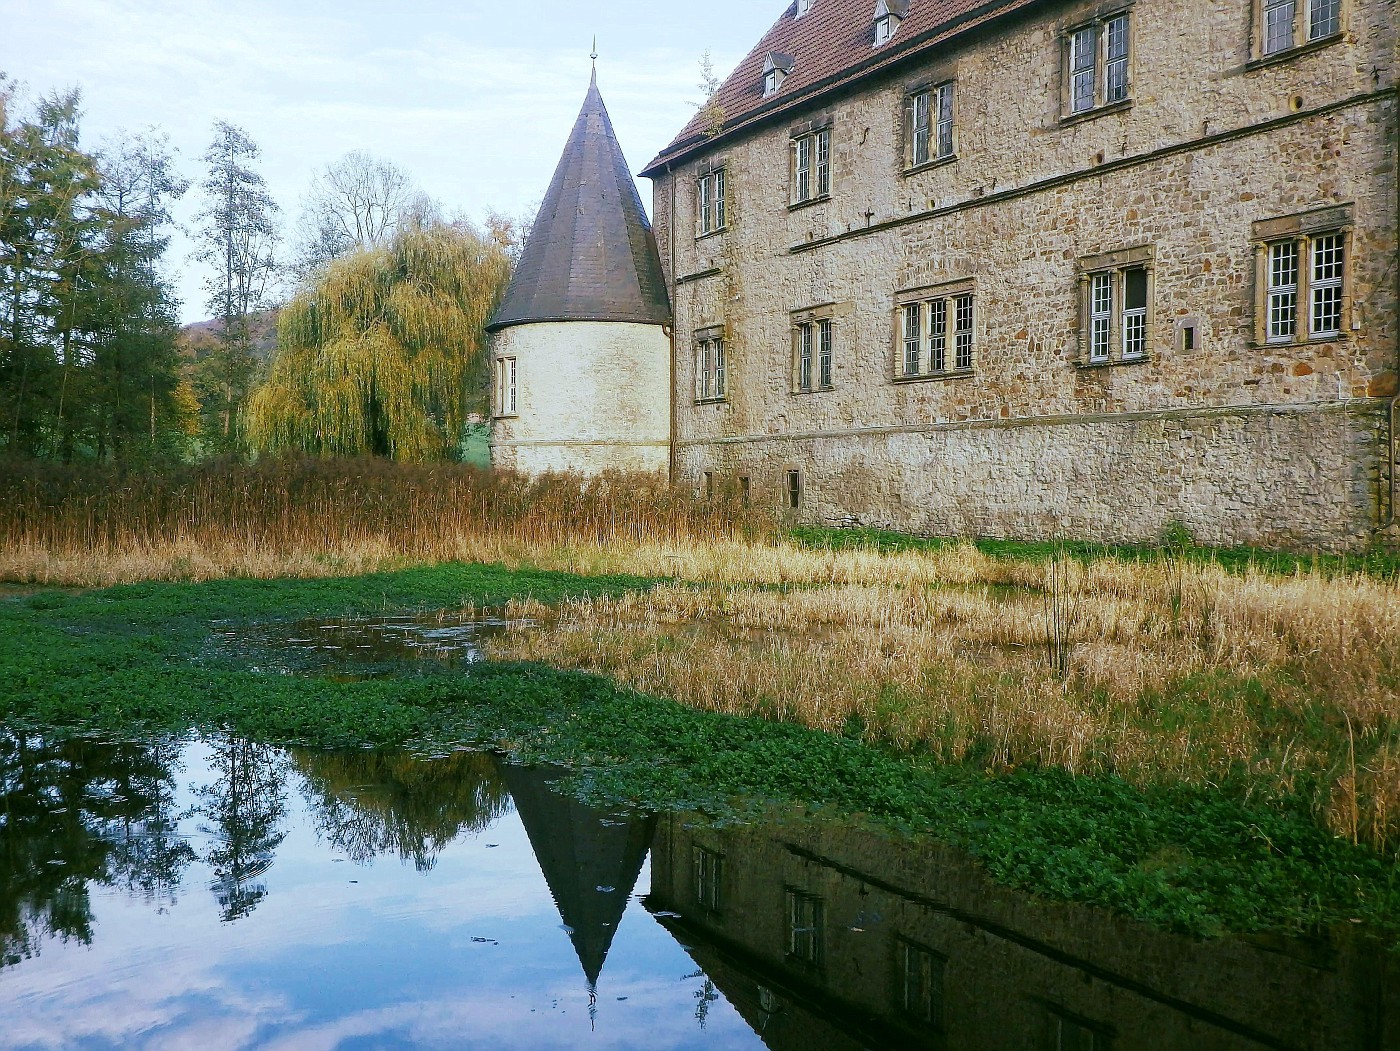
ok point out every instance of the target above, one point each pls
(128, 661)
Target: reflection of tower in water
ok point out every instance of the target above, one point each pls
(590, 858)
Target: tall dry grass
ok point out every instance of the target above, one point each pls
(85, 526)
(1163, 671)
(1168, 673)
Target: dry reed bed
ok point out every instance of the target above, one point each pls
(1176, 672)
(1172, 671)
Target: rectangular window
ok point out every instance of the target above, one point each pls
(1069, 1034)
(811, 166)
(802, 171)
(505, 387)
(1097, 64)
(812, 355)
(1328, 257)
(945, 324)
(930, 116)
(1116, 306)
(938, 335)
(1100, 315)
(710, 369)
(709, 876)
(1083, 50)
(804, 916)
(1115, 88)
(1324, 18)
(1283, 292)
(962, 332)
(944, 129)
(824, 354)
(794, 489)
(1278, 25)
(804, 357)
(1134, 312)
(709, 196)
(913, 315)
(744, 489)
(920, 983)
(920, 129)
(1302, 281)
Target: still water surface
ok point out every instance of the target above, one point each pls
(215, 893)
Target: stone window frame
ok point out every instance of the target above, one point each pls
(920, 1000)
(810, 141)
(1304, 232)
(707, 878)
(943, 300)
(813, 368)
(711, 365)
(1109, 270)
(804, 913)
(1101, 26)
(507, 387)
(934, 89)
(1303, 38)
(714, 175)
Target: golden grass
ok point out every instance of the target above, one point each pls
(1173, 671)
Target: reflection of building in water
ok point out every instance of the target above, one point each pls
(834, 938)
(590, 858)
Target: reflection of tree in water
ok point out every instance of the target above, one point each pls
(76, 812)
(369, 804)
(242, 813)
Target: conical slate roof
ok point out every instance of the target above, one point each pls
(590, 859)
(591, 255)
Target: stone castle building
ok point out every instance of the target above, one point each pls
(1033, 267)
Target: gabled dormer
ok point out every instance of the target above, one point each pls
(776, 67)
(803, 6)
(888, 15)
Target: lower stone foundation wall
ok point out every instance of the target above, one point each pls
(1301, 477)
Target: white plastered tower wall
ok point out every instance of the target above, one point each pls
(589, 397)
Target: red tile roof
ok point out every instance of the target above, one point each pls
(832, 43)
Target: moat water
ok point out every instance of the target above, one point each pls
(216, 893)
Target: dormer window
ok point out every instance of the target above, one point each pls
(776, 67)
(803, 6)
(888, 15)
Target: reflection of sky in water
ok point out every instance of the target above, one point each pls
(341, 955)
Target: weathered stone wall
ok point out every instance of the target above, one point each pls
(590, 396)
(1027, 444)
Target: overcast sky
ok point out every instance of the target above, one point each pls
(473, 99)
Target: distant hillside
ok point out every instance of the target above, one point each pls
(262, 326)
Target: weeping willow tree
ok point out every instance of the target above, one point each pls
(375, 357)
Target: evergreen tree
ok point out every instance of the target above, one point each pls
(238, 239)
(45, 230)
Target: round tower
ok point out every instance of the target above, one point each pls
(580, 347)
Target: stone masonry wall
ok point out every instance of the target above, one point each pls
(1242, 441)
